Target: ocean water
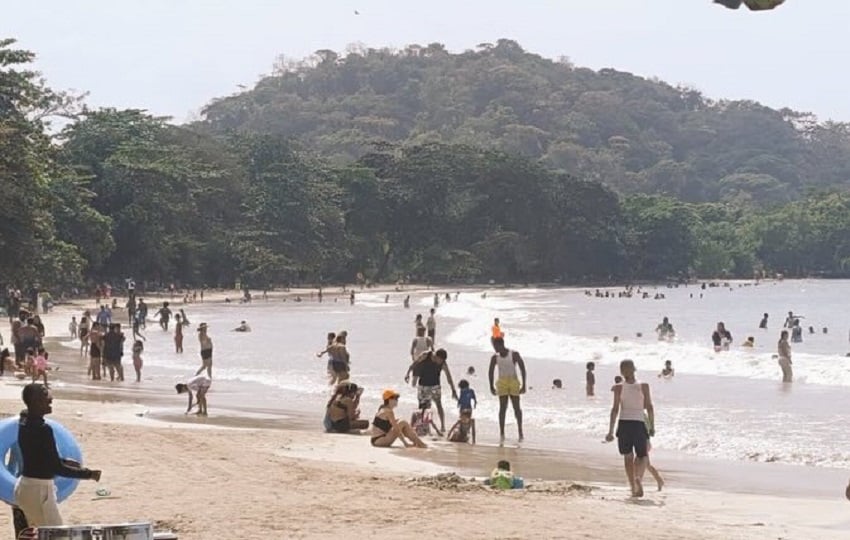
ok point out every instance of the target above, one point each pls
(728, 405)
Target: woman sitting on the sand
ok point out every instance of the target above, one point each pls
(386, 428)
(343, 409)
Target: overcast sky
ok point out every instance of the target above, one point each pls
(173, 56)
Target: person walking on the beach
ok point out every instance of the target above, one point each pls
(428, 369)
(206, 350)
(138, 348)
(178, 335)
(83, 333)
(142, 313)
(72, 328)
(95, 351)
(113, 351)
(431, 326)
(200, 385)
(35, 493)
(784, 349)
(508, 386)
(631, 399)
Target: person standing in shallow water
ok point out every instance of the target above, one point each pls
(784, 350)
(631, 399)
(206, 350)
(178, 335)
(508, 386)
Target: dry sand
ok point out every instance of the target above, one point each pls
(210, 482)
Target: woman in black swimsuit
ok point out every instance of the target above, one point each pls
(343, 411)
(386, 429)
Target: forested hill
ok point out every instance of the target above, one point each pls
(634, 134)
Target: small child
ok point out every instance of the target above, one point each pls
(668, 370)
(39, 366)
(422, 420)
(466, 398)
(29, 361)
(138, 347)
(460, 432)
(72, 327)
(591, 379)
(503, 478)
(617, 380)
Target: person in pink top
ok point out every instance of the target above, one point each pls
(39, 368)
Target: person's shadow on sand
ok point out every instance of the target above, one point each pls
(645, 502)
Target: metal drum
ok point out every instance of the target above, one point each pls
(121, 531)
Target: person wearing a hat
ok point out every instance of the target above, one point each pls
(206, 350)
(386, 428)
(631, 399)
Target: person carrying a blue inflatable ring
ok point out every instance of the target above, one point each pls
(35, 492)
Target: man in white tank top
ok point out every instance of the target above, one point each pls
(631, 399)
(508, 386)
(420, 344)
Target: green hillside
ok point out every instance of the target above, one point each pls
(632, 133)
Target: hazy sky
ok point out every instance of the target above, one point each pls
(173, 56)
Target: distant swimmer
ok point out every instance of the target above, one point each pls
(557, 384)
(407, 302)
(721, 338)
(811, 330)
(789, 320)
(763, 323)
(484, 296)
(470, 370)
(436, 300)
(665, 330)
(631, 399)
(668, 372)
(750, 343)
(243, 327)
(784, 350)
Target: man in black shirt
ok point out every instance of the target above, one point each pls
(35, 492)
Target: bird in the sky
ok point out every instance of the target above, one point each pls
(754, 5)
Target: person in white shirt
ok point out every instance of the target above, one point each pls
(631, 399)
(200, 385)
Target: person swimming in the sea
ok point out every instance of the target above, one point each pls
(243, 327)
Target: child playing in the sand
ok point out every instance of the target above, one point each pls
(463, 428)
(39, 366)
(503, 478)
(422, 420)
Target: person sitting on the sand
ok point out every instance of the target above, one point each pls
(503, 478)
(343, 409)
(386, 428)
(460, 432)
(243, 327)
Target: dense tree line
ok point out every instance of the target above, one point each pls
(119, 193)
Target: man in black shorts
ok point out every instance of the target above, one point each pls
(631, 399)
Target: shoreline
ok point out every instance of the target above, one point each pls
(106, 418)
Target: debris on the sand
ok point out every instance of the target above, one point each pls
(445, 481)
(455, 482)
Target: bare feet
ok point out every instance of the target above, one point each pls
(661, 483)
(637, 492)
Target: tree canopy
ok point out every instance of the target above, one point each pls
(493, 164)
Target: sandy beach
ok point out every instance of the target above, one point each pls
(277, 476)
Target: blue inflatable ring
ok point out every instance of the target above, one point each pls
(9, 473)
